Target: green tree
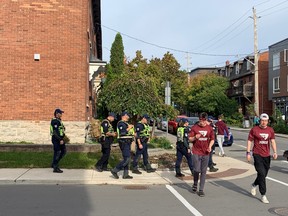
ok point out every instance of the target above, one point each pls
(207, 93)
(116, 66)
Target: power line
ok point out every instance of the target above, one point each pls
(273, 6)
(274, 12)
(168, 48)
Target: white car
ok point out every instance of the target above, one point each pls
(162, 124)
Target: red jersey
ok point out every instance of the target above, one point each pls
(262, 139)
(201, 145)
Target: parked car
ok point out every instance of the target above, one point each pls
(162, 123)
(226, 141)
(192, 121)
(173, 124)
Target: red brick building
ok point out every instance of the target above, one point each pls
(45, 51)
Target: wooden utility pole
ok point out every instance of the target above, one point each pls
(256, 80)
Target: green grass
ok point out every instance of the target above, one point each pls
(73, 160)
(161, 142)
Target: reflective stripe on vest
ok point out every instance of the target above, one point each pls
(180, 134)
(146, 131)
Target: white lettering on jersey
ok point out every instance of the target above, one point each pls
(203, 133)
(264, 135)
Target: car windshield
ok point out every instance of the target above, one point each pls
(192, 120)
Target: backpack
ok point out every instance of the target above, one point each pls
(95, 128)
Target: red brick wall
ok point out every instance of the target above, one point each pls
(265, 106)
(57, 30)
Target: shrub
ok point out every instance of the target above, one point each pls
(161, 142)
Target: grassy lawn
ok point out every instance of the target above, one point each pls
(73, 160)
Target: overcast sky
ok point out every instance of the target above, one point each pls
(221, 27)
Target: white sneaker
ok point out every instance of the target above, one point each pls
(253, 190)
(264, 199)
(220, 154)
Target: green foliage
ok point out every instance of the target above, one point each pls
(250, 109)
(207, 93)
(236, 119)
(278, 124)
(161, 142)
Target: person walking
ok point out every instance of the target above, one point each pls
(125, 133)
(202, 137)
(211, 164)
(57, 131)
(262, 137)
(221, 130)
(182, 147)
(142, 138)
(106, 139)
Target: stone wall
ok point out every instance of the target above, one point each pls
(38, 132)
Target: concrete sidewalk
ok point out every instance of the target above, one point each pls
(229, 168)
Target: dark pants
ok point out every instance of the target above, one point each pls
(262, 166)
(183, 151)
(210, 162)
(59, 152)
(139, 152)
(103, 161)
(125, 146)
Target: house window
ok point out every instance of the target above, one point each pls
(248, 66)
(286, 56)
(276, 87)
(276, 61)
(237, 69)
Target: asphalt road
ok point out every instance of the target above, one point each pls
(225, 198)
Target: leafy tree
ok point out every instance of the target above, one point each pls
(207, 93)
(116, 66)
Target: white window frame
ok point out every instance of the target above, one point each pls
(285, 56)
(276, 61)
(275, 91)
(237, 68)
(248, 66)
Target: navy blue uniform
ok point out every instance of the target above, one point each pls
(106, 142)
(143, 137)
(182, 149)
(124, 139)
(57, 131)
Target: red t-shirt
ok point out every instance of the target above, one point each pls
(262, 139)
(201, 145)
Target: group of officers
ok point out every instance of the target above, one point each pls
(126, 133)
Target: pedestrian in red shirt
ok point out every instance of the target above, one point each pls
(202, 137)
(221, 130)
(262, 136)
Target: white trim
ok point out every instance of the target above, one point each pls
(278, 89)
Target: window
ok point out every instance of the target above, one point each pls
(286, 56)
(248, 66)
(276, 61)
(276, 87)
(237, 69)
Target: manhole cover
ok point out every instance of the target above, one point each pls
(281, 211)
(136, 187)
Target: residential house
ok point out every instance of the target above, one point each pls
(45, 52)
(278, 76)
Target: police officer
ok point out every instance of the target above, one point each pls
(183, 148)
(142, 138)
(106, 139)
(57, 131)
(125, 133)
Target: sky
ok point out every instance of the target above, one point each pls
(203, 33)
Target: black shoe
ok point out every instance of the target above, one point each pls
(214, 164)
(57, 170)
(127, 177)
(194, 189)
(179, 175)
(136, 171)
(98, 169)
(115, 174)
(213, 169)
(150, 170)
(201, 193)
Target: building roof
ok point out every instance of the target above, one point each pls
(275, 44)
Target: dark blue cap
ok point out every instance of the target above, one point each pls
(184, 120)
(112, 114)
(125, 113)
(146, 116)
(58, 111)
